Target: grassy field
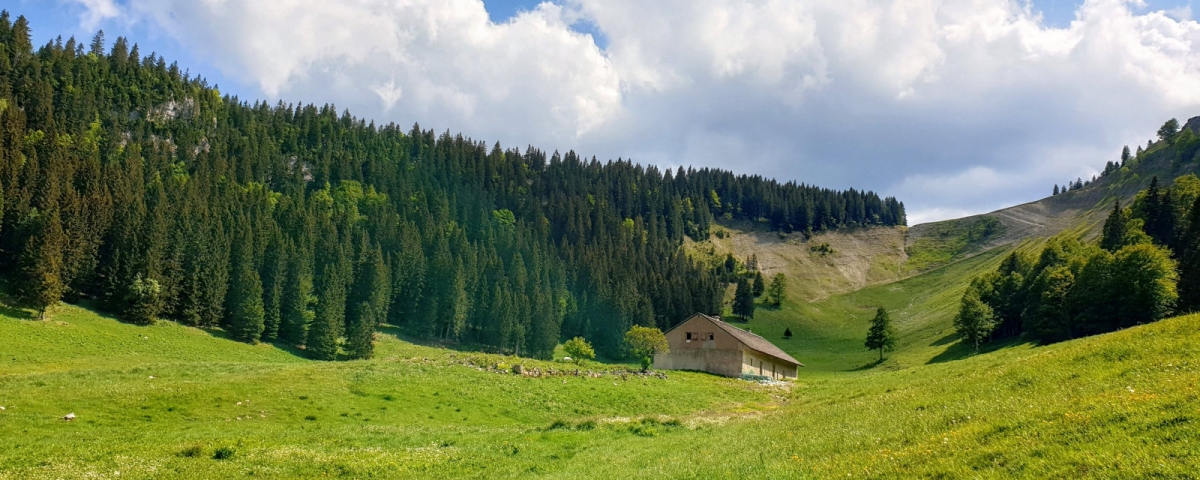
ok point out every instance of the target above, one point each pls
(174, 401)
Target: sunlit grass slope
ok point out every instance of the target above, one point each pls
(164, 400)
(828, 335)
(1119, 405)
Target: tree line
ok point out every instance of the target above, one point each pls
(1179, 145)
(1144, 267)
(127, 182)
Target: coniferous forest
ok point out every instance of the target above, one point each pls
(126, 182)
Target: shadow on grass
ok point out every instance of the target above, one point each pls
(17, 313)
(869, 365)
(961, 350)
(946, 340)
(462, 347)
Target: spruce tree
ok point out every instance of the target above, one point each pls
(1056, 189)
(1125, 155)
(368, 303)
(323, 334)
(743, 300)
(246, 313)
(777, 292)
(758, 286)
(41, 264)
(881, 336)
(296, 308)
(1116, 229)
(143, 301)
(360, 334)
(273, 276)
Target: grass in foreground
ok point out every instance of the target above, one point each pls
(1117, 405)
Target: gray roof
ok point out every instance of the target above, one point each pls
(749, 339)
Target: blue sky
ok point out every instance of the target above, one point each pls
(954, 106)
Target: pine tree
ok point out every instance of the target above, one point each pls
(777, 292)
(368, 302)
(1125, 156)
(246, 313)
(360, 334)
(881, 336)
(323, 334)
(273, 277)
(787, 333)
(1116, 229)
(296, 308)
(1056, 189)
(743, 300)
(41, 264)
(758, 286)
(143, 301)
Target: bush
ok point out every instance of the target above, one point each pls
(579, 349)
(192, 451)
(223, 453)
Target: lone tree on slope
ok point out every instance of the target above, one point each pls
(743, 300)
(881, 336)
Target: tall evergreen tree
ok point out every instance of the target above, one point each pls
(246, 315)
(326, 328)
(743, 300)
(881, 336)
(296, 309)
(1125, 155)
(41, 264)
(1116, 229)
(777, 292)
(759, 287)
(274, 270)
(143, 301)
(360, 333)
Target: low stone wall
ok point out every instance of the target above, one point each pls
(720, 362)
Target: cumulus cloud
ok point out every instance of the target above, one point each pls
(955, 106)
(97, 11)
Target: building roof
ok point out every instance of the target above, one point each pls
(748, 339)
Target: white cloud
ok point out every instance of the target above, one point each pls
(901, 96)
(97, 11)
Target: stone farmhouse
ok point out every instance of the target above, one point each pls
(707, 344)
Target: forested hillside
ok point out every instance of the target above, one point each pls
(1145, 267)
(126, 181)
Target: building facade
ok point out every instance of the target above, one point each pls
(707, 344)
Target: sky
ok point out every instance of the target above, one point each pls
(955, 107)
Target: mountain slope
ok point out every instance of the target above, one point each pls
(1081, 211)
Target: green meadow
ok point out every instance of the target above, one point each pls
(174, 401)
